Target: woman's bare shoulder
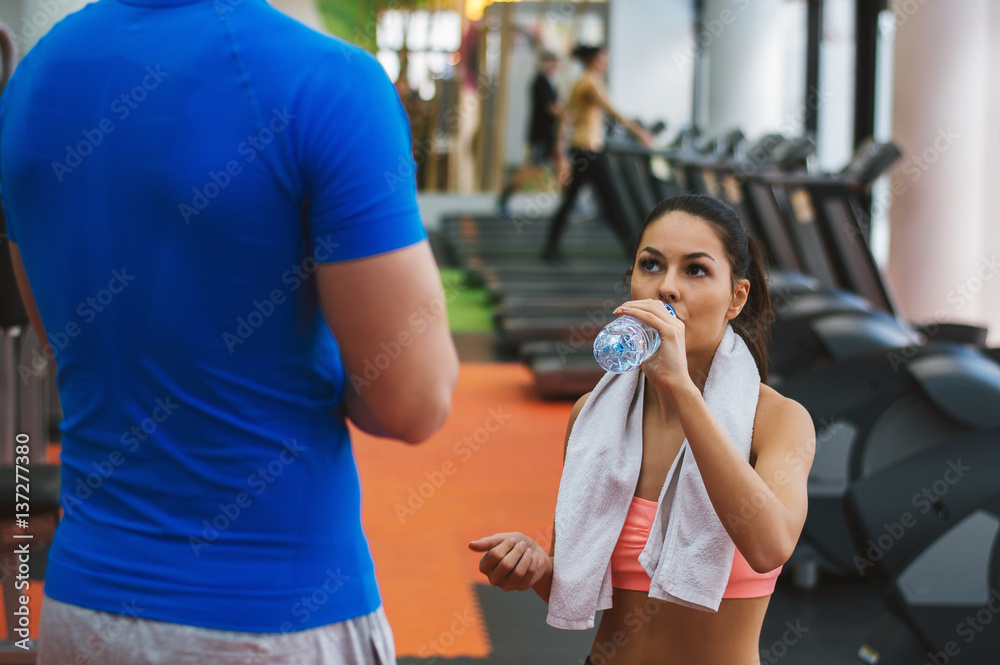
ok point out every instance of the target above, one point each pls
(779, 417)
(577, 408)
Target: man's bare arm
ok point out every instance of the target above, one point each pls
(392, 307)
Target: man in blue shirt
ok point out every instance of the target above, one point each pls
(215, 209)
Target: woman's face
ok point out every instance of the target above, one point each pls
(682, 261)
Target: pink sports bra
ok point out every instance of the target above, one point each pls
(626, 573)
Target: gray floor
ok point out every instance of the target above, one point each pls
(831, 622)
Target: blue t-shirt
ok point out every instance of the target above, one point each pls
(160, 160)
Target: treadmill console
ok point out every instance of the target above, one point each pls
(871, 160)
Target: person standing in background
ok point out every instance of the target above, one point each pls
(545, 112)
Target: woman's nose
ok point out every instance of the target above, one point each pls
(668, 289)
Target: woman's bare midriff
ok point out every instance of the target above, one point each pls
(639, 630)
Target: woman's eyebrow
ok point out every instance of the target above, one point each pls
(692, 255)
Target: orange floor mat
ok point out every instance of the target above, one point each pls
(494, 466)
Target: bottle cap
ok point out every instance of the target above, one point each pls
(670, 309)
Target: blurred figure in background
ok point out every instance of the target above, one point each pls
(545, 112)
(584, 116)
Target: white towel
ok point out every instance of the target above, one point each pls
(689, 554)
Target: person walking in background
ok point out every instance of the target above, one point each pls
(584, 117)
(243, 201)
(545, 112)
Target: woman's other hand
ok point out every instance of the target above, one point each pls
(512, 561)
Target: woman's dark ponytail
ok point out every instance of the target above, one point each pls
(754, 321)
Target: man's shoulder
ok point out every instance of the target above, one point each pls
(292, 44)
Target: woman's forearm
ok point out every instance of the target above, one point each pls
(730, 480)
(543, 587)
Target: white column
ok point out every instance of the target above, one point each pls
(944, 195)
(750, 76)
(989, 300)
(651, 60)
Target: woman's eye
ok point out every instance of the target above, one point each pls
(698, 266)
(649, 265)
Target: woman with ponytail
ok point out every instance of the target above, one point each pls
(695, 255)
(586, 162)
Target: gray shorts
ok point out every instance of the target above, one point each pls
(72, 635)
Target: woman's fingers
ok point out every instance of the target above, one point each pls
(488, 562)
(535, 570)
(506, 564)
(651, 312)
(517, 577)
(487, 543)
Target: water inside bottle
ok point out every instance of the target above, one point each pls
(626, 343)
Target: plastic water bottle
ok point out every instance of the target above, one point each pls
(626, 343)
